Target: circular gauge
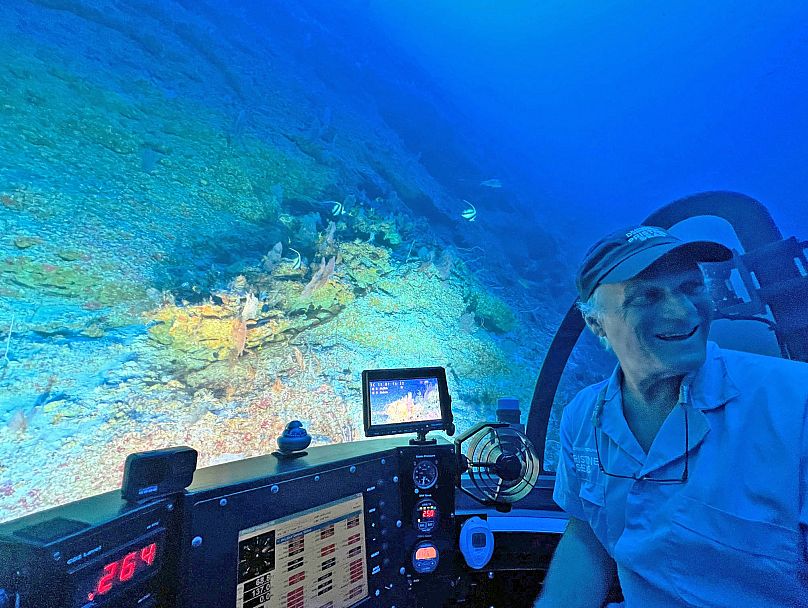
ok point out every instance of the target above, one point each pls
(425, 516)
(425, 557)
(425, 474)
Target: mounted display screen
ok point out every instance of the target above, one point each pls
(405, 400)
(312, 558)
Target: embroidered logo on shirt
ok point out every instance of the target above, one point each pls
(586, 460)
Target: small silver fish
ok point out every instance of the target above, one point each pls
(469, 214)
(492, 183)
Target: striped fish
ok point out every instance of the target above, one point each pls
(469, 214)
(298, 260)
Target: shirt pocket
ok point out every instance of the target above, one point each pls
(717, 558)
(593, 502)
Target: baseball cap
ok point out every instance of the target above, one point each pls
(625, 253)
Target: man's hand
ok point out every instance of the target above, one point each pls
(581, 571)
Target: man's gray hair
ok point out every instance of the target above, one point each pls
(593, 309)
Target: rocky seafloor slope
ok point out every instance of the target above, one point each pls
(204, 237)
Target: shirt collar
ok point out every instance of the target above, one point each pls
(710, 386)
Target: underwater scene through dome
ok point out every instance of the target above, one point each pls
(215, 215)
(211, 227)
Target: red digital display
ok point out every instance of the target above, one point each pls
(131, 566)
(428, 513)
(426, 553)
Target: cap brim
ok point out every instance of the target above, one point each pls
(698, 251)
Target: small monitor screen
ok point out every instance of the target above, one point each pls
(406, 400)
(312, 558)
(409, 400)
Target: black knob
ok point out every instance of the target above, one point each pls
(294, 438)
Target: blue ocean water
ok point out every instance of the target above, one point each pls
(215, 216)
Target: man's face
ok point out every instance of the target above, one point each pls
(657, 323)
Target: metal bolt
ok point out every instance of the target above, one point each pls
(223, 502)
(274, 489)
(316, 478)
(402, 570)
(384, 461)
(398, 523)
(57, 555)
(170, 506)
(196, 542)
(352, 469)
(395, 478)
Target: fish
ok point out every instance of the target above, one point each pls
(298, 260)
(337, 209)
(492, 183)
(469, 214)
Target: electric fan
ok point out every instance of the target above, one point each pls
(501, 464)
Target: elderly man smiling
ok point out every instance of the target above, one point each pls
(686, 471)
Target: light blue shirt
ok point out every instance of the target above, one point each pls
(735, 533)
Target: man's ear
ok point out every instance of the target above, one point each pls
(594, 324)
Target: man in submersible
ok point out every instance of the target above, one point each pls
(686, 472)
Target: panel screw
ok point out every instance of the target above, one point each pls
(395, 478)
(223, 502)
(384, 461)
(196, 542)
(352, 469)
(274, 489)
(57, 555)
(170, 506)
(316, 478)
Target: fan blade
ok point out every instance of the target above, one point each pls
(496, 492)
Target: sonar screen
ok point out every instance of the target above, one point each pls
(405, 401)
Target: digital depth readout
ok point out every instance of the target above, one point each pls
(123, 570)
(103, 578)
